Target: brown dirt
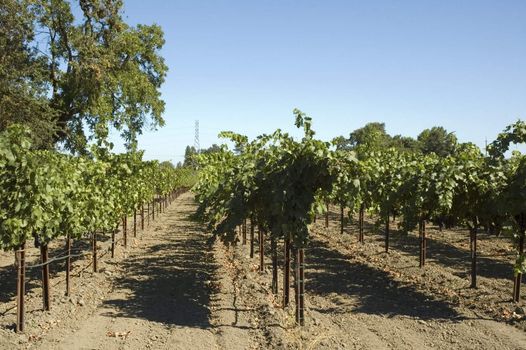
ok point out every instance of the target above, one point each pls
(176, 288)
(159, 294)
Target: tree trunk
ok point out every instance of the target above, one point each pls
(45, 276)
(286, 274)
(300, 287)
(21, 288)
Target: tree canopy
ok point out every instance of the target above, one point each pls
(71, 78)
(437, 140)
(373, 137)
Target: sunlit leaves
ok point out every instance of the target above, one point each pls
(45, 194)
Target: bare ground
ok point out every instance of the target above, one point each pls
(176, 288)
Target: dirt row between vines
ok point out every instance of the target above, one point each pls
(447, 274)
(171, 289)
(361, 298)
(177, 288)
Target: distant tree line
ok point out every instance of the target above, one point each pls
(373, 136)
(190, 153)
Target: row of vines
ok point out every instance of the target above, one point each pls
(47, 195)
(280, 184)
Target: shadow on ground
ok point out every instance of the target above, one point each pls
(448, 255)
(374, 291)
(8, 274)
(443, 253)
(171, 281)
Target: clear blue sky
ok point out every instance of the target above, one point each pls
(244, 65)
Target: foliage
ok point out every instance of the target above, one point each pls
(273, 179)
(438, 141)
(23, 74)
(513, 196)
(46, 194)
(95, 72)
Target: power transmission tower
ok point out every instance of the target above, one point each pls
(196, 139)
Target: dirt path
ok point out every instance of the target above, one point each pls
(354, 304)
(364, 307)
(177, 288)
(159, 299)
(159, 296)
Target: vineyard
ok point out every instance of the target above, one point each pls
(281, 184)
(323, 221)
(400, 223)
(48, 196)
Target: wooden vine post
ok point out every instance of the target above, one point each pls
(245, 232)
(113, 241)
(21, 288)
(327, 215)
(473, 249)
(68, 264)
(261, 250)
(252, 237)
(518, 276)
(341, 219)
(274, 252)
(125, 230)
(423, 242)
(134, 222)
(286, 274)
(142, 216)
(387, 234)
(300, 287)
(94, 250)
(520, 250)
(360, 223)
(45, 276)
(148, 213)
